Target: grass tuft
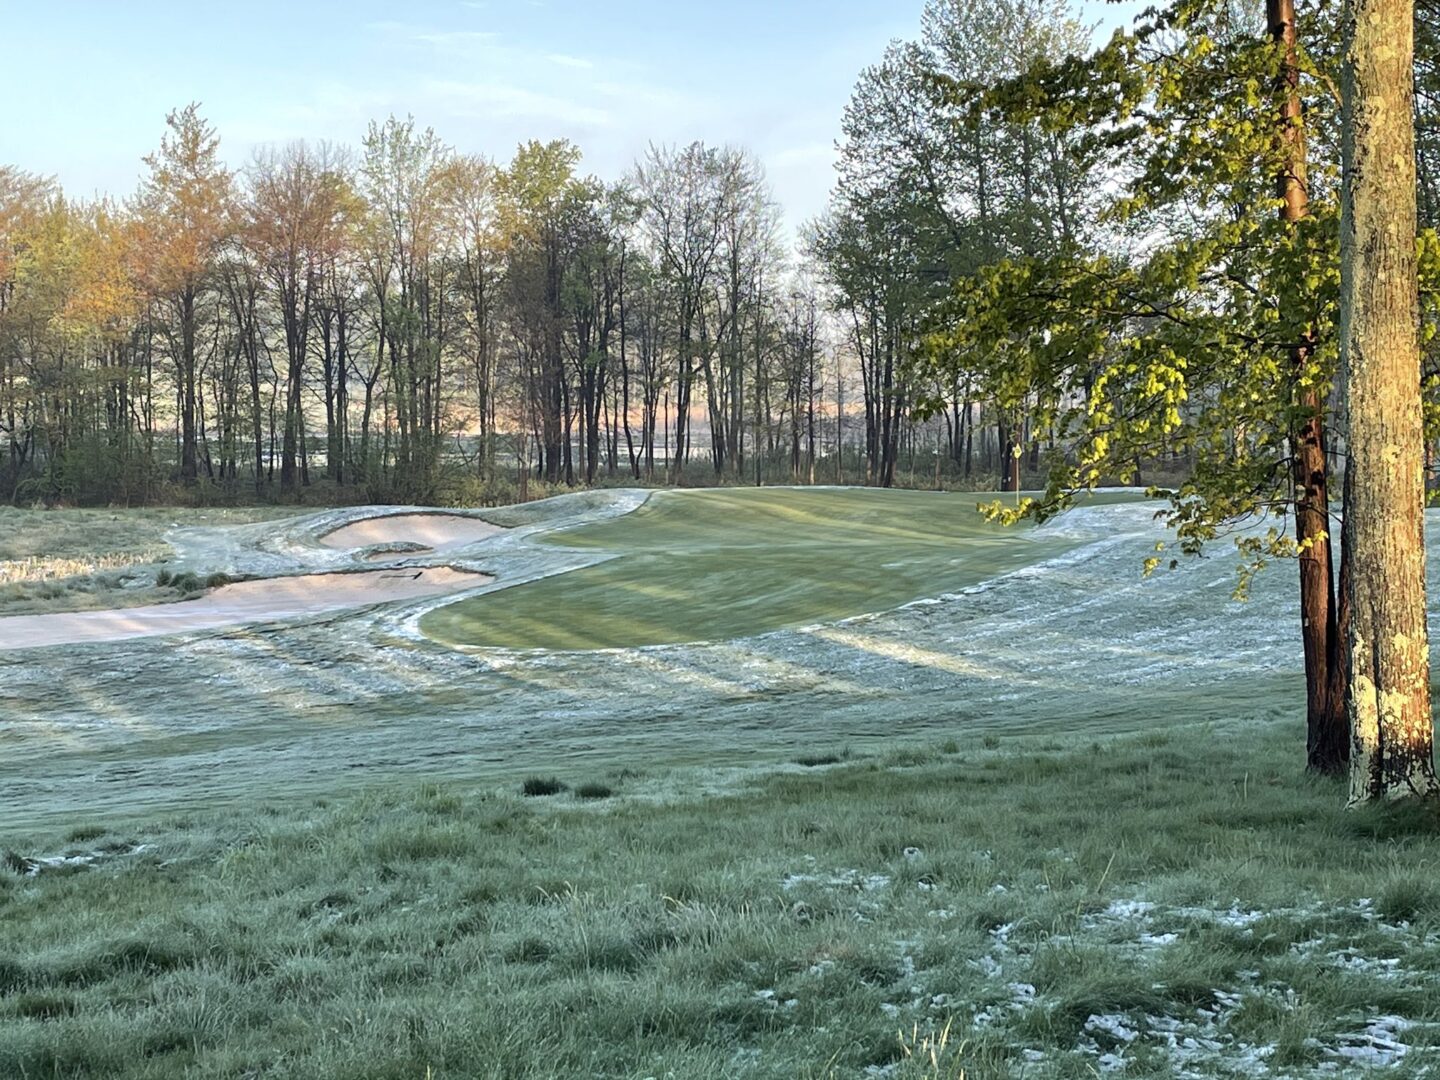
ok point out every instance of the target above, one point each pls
(15, 863)
(811, 761)
(543, 785)
(42, 1006)
(1409, 897)
(12, 976)
(594, 791)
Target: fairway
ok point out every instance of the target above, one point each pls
(715, 565)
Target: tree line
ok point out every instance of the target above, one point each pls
(384, 319)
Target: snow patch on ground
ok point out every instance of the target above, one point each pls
(839, 879)
(28, 866)
(1195, 1043)
(1378, 1044)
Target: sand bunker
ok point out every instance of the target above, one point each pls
(437, 532)
(235, 605)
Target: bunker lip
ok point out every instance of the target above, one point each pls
(261, 600)
(428, 532)
(393, 554)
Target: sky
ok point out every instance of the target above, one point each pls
(88, 82)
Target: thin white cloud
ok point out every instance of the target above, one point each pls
(570, 61)
(456, 40)
(491, 99)
(458, 43)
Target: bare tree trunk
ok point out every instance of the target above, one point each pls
(1327, 745)
(1008, 438)
(189, 471)
(1390, 722)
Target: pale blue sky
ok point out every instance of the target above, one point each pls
(88, 82)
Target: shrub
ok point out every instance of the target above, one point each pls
(810, 761)
(187, 583)
(594, 791)
(542, 785)
(16, 864)
(1409, 897)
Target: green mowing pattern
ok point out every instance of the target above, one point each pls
(714, 565)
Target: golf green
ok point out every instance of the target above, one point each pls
(713, 565)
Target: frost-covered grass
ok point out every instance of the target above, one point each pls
(79, 559)
(983, 836)
(1179, 903)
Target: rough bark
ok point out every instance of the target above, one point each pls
(1390, 721)
(1327, 744)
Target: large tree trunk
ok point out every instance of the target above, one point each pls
(1390, 722)
(1327, 745)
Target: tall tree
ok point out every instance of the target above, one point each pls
(296, 219)
(1320, 622)
(187, 199)
(1390, 719)
(543, 198)
(22, 201)
(402, 173)
(683, 198)
(472, 194)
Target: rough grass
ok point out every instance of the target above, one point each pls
(715, 565)
(75, 560)
(90, 535)
(1044, 908)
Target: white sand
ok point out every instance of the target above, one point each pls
(438, 532)
(235, 605)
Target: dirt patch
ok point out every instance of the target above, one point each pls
(234, 605)
(438, 532)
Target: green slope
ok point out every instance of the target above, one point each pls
(713, 565)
